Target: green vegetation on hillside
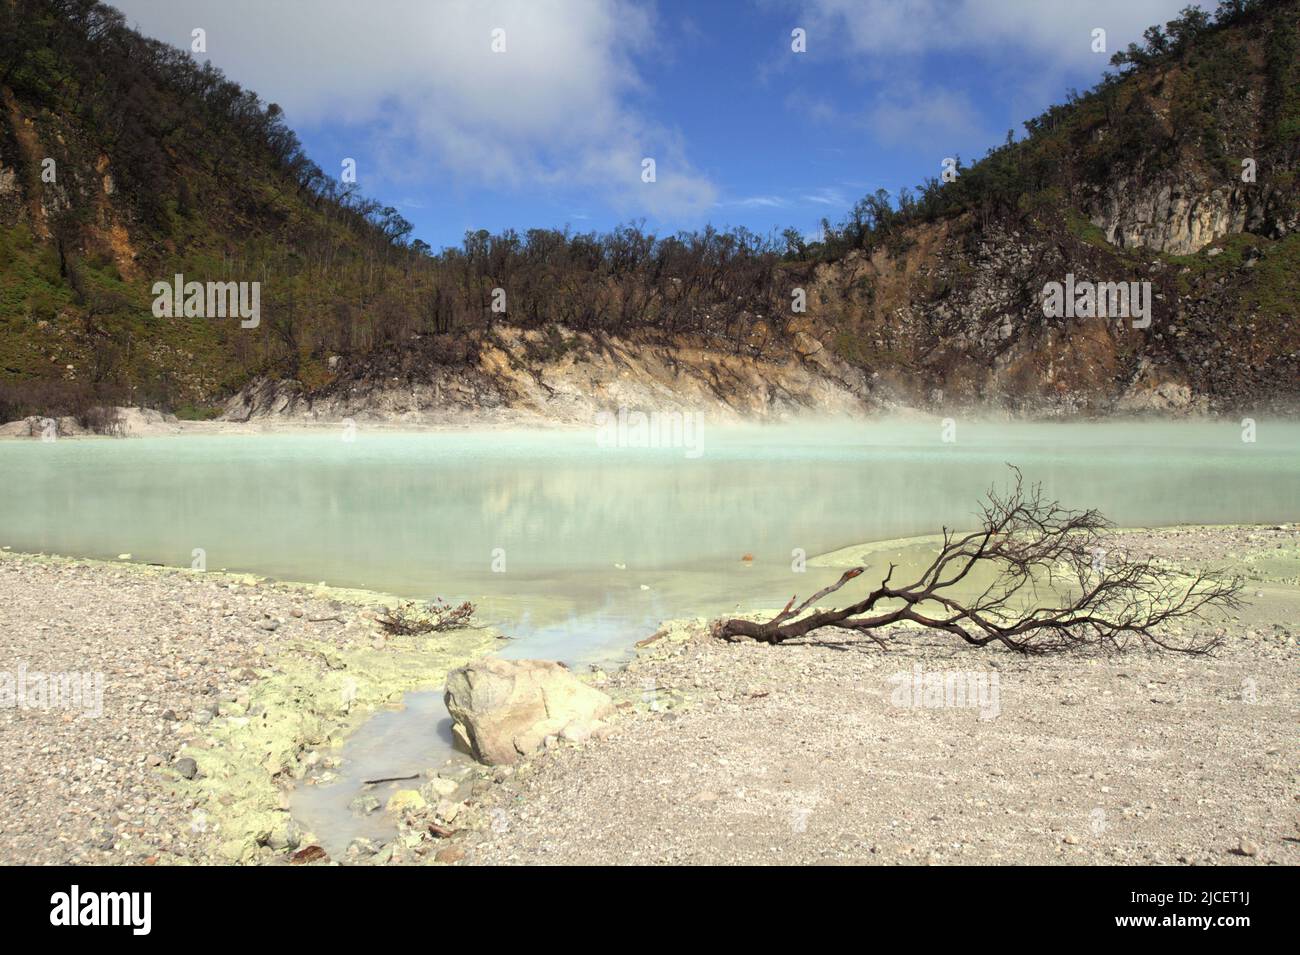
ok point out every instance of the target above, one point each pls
(166, 166)
(209, 182)
(1115, 128)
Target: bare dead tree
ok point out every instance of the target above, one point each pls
(1099, 597)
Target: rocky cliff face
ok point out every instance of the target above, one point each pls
(526, 376)
(1179, 182)
(954, 321)
(1171, 217)
(1183, 216)
(957, 320)
(1140, 181)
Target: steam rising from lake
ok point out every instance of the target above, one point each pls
(564, 514)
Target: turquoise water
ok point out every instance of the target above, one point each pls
(433, 514)
(533, 524)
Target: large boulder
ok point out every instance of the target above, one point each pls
(505, 709)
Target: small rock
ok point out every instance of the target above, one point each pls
(457, 774)
(405, 800)
(450, 855)
(1245, 847)
(186, 766)
(440, 787)
(309, 854)
(284, 836)
(575, 733)
(360, 847)
(364, 805)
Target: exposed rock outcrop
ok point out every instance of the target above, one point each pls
(109, 422)
(522, 375)
(1183, 216)
(1180, 173)
(1170, 217)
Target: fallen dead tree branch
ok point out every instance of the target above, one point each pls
(1099, 597)
(389, 779)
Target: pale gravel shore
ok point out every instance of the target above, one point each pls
(797, 754)
(721, 753)
(76, 788)
(233, 671)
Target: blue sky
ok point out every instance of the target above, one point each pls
(743, 130)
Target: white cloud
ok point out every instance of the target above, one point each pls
(1027, 50)
(758, 202)
(1051, 31)
(904, 112)
(923, 118)
(826, 196)
(552, 110)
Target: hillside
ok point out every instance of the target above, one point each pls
(1139, 180)
(110, 180)
(933, 299)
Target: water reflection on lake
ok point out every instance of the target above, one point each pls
(560, 517)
